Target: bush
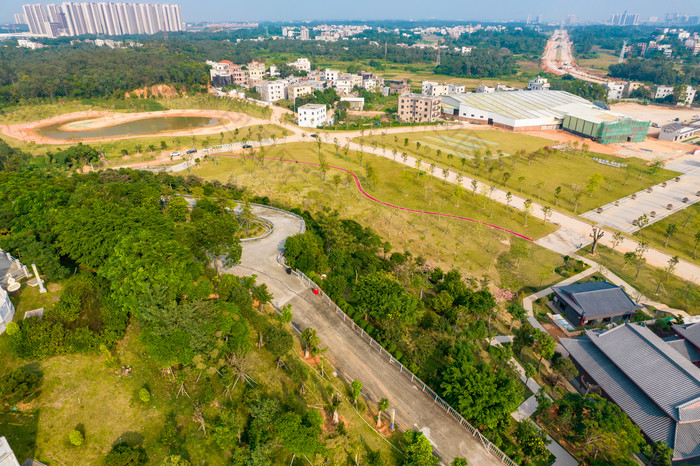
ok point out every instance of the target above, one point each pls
(76, 437)
(144, 395)
(399, 355)
(363, 324)
(371, 330)
(391, 348)
(19, 383)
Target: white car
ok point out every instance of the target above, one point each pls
(174, 154)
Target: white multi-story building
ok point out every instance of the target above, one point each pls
(302, 64)
(331, 75)
(74, 19)
(438, 89)
(300, 89)
(484, 89)
(272, 91)
(28, 44)
(343, 86)
(663, 92)
(538, 84)
(304, 33)
(311, 115)
(615, 90)
(687, 96)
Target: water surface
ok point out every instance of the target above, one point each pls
(151, 125)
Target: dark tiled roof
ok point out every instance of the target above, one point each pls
(654, 384)
(596, 299)
(683, 346)
(653, 421)
(690, 332)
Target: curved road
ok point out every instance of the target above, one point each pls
(349, 353)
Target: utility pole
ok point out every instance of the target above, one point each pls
(385, 42)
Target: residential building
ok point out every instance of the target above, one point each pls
(399, 86)
(220, 74)
(103, 18)
(371, 84)
(455, 89)
(419, 108)
(631, 87)
(653, 381)
(272, 91)
(331, 75)
(238, 75)
(273, 72)
(662, 92)
(686, 96)
(304, 33)
(256, 70)
(343, 86)
(677, 132)
(615, 90)
(311, 115)
(354, 103)
(538, 84)
(301, 64)
(7, 456)
(433, 88)
(300, 89)
(484, 89)
(593, 303)
(28, 44)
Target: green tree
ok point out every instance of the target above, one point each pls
(530, 371)
(481, 393)
(533, 441)
(383, 298)
(311, 340)
(382, 405)
(544, 346)
(300, 436)
(355, 390)
(670, 230)
(658, 454)
(177, 209)
(418, 450)
(75, 437)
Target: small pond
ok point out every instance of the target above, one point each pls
(152, 125)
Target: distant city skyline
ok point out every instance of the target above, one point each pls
(457, 10)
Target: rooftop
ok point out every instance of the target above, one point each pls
(690, 332)
(636, 368)
(519, 105)
(312, 107)
(596, 298)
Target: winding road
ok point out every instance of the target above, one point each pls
(348, 352)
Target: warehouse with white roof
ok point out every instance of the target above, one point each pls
(542, 110)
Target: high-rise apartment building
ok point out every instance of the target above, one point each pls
(103, 18)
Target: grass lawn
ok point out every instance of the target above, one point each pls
(536, 177)
(600, 63)
(30, 298)
(446, 242)
(675, 292)
(86, 391)
(682, 242)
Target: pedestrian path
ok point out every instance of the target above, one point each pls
(529, 406)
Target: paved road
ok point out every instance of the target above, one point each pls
(351, 355)
(558, 52)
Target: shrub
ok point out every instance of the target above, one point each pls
(391, 348)
(363, 324)
(144, 395)
(12, 328)
(371, 330)
(19, 383)
(399, 355)
(76, 437)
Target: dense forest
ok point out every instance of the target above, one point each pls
(87, 72)
(83, 71)
(658, 71)
(128, 250)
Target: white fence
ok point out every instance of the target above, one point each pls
(493, 449)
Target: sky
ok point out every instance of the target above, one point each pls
(467, 10)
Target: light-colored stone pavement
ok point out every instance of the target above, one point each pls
(620, 216)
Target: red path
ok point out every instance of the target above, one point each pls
(364, 193)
